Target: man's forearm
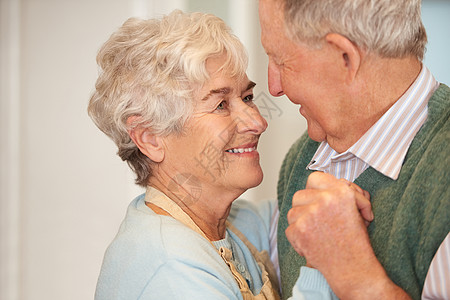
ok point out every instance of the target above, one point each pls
(370, 281)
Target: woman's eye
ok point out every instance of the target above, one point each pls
(248, 98)
(221, 106)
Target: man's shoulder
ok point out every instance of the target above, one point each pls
(431, 153)
(443, 91)
(434, 137)
(430, 147)
(439, 104)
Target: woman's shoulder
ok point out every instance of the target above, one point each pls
(160, 237)
(253, 219)
(148, 246)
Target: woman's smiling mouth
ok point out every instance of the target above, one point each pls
(241, 150)
(246, 148)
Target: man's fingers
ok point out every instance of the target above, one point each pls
(364, 207)
(327, 188)
(321, 181)
(361, 198)
(304, 197)
(356, 188)
(291, 234)
(294, 213)
(362, 201)
(366, 194)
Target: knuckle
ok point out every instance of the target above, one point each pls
(314, 177)
(297, 195)
(290, 216)
(345, 192)
(344, 181)
(329, 198)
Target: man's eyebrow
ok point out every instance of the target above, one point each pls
(226, 90)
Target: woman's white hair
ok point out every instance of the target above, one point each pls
(150, 70)
(389, 28)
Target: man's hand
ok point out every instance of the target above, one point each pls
(328, 207)
(327, 225)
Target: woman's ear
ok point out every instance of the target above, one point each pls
(149, 144)
(349, 53)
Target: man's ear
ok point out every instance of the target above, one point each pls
(149, 144)
(349, 52)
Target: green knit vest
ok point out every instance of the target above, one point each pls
(411, 213)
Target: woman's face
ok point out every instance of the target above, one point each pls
(217, 148)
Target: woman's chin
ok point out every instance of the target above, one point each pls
(252, 181)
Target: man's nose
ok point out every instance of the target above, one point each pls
(275, 87)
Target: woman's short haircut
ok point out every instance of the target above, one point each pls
(150, 69)
(389, 28)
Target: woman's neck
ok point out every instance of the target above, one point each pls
(208, 209)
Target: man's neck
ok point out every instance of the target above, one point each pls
(380, 83)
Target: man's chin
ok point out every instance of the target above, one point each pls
(316, 135)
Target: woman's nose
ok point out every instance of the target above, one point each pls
(274, 82)
(249, 120)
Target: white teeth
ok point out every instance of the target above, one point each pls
(241, 150)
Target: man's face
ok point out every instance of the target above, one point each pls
(308, 76)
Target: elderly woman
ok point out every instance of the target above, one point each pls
(174, 96)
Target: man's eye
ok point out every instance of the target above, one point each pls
(248, 98)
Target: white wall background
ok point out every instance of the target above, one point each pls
(63, 190)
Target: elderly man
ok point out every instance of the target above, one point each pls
(377, 117)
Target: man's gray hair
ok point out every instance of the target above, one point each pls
(150, 69)
(389, 28)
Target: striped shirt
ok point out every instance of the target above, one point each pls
(384, 147)
(437, 282)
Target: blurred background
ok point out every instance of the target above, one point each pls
(63, 190)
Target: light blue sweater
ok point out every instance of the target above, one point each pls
(157, 257)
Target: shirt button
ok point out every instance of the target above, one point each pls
(241, 268)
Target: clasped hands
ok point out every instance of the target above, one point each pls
(328, 226)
